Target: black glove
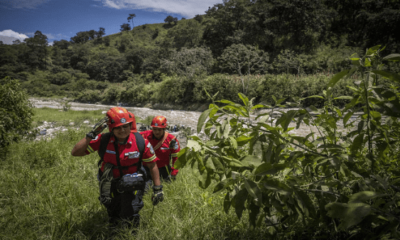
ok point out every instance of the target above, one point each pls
(172, 144)
(98, 128)
(158, 195)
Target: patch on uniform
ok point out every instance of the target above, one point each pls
(96, 138)
(164, 148)
(123, 120)
(151, 149)
(110, 152)
(131, 155)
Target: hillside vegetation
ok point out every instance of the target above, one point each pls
(236, 46)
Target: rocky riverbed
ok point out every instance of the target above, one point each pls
(175, 117)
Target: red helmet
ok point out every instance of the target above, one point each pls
(159, 122)
(118, 116)
(133, 128)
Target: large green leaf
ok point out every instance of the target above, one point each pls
(223, 184)
(227, 203)
(244, 99)
(287, 118)
(392, 57)
(389, 75)
(357, 143)
(267, 168)
(233, 142)
(276, 185)
(373, 50)
(205, 181)
(364, 196)
(238, 201)
(305, 203)
(355, 213)
(337, 77)
(254, 210)
(254, 191)
(218, 164)
(344, 97)
(181, 159)
(202, 119)
(194, 145)
(347, 117)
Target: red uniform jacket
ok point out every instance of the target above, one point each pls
(128, 153)
(163, 152)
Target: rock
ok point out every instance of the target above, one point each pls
(103, 112)
(86, 122)
(43, 132)
(71, 123)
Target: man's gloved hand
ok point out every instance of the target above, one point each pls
(158, 195)
(98, 128)
(172, 144)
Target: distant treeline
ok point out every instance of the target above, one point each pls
(240, 37)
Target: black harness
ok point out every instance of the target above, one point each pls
(105, 139)
(106, 177)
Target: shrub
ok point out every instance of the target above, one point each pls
(111, 95)
(90, 96)
(226, 85)
(60, 78)
(15, 112)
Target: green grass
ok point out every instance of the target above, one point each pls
(48, 194)
(63, 118)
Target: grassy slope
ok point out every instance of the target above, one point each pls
(48, 194)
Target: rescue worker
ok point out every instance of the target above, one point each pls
(122, 193)
(166, 147)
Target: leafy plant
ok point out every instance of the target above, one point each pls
(338, 180)
(15, 112)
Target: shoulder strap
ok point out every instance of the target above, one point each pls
(105, 138)
(140, 144)
(161, 141)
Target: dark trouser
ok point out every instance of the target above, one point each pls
(125, 207)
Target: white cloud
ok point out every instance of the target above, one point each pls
(23, 3)
(11, 33)
(187, 8)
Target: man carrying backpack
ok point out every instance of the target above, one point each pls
(166, 147)
(121, 175)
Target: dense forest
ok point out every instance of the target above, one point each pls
(253, 47)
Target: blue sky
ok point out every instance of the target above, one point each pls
(62, 19)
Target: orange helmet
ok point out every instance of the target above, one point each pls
(159, 122)
(118, 116)
(133, 128)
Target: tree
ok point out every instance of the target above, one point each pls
(244, 59)
(186, 34)
(170, 19)
(62, 44)
(15, 112)
(125, 27)
(37, 53)
(101, 32)
(131, 16)
(188, 62)
(198, 18)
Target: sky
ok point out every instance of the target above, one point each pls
(62, 19)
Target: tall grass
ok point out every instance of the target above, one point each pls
(48, 194)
